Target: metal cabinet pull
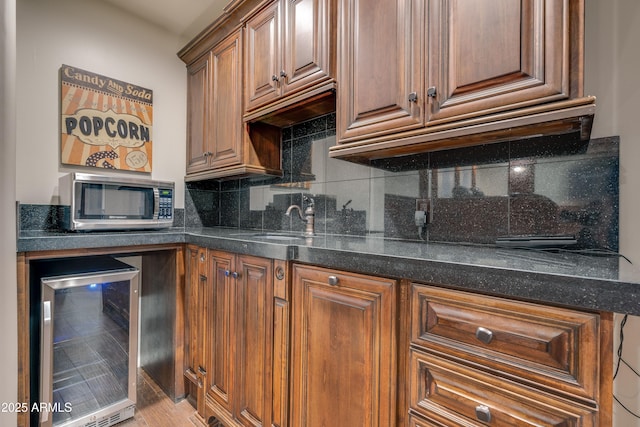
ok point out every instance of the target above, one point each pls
(283, 74)
(235, 275)
(413, 97)
(274, 78)
(333, 280)
(432, 92)
(483, 334)
(203, 278)
(227, 273)
(483, 413)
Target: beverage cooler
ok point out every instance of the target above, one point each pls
(84, 340)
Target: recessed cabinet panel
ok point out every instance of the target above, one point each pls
(220, 329)
(254, 308)
(456, 395)
(343, 341)
(226, 129)
(307, 38)
(382, 67)
(543, 345)
(493, 55)
(290, 48)
(197, 114)
(263, 57)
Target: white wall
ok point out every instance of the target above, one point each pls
(612, 69)
(8, 294)
(94, 36)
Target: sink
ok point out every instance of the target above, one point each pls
(278, 236)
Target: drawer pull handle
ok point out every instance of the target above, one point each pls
(484, 335)
(483, 413)
(333, 280)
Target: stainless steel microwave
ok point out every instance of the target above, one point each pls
(97, 202)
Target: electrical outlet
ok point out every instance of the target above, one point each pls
(423, 205)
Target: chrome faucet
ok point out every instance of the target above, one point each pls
(308, 218)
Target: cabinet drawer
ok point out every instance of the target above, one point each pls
(552, 347)
(451, 394)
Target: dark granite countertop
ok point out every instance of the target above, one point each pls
(571, 279)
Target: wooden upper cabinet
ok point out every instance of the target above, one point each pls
(290, 47)
(197, 114)
(219, 144)
(423, 75)
(309, 43)
(214, 107)
(381, 73)
(226, 105)
(263, 63)
(493, 55)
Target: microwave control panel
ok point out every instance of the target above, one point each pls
(166, 200)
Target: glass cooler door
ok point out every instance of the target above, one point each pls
(89, 348)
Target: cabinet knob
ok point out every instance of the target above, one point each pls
(283, 74)
(235, 275)
(432, 92)
(274, 78)
(413, 97)
(483, 334)
(227, 273)
(333, 280)
(483, 413)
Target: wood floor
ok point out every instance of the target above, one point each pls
(155, 409)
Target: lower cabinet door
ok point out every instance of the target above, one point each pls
(253, 341)
(344, 349)
(220, 329)
(450, 394)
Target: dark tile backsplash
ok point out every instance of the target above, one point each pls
(32, 217)
(555, 185)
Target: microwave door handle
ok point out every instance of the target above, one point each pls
(47, 354)
(156, 203)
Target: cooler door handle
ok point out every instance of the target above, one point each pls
(47, 354)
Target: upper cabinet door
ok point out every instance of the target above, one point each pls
(381, 73)
(198, 114)
(307, 55)
(263, 59)
(226, 106)
(494, 55)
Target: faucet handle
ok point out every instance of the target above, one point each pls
(309, 200)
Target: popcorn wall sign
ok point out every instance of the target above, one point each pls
(105, 123)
